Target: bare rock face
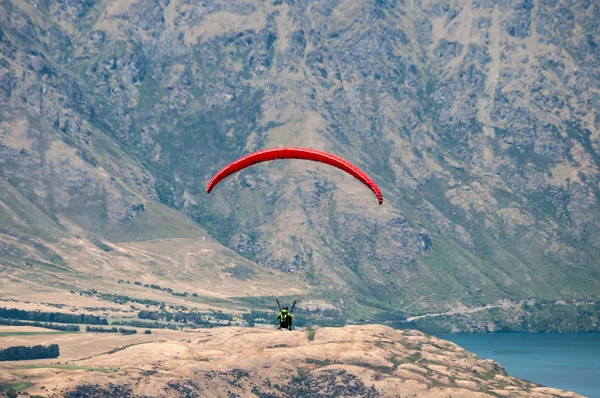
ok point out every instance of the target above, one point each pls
(478, 119)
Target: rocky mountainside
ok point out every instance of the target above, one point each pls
(353, 361)
(478, 119)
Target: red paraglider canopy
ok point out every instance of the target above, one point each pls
(294, 153)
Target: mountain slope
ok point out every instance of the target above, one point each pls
(478, 119)
(73, 203)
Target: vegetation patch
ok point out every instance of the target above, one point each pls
(9, 334)
(95, 390)
(114, 350)
(22, 353)
(52, 366)
(118, 298)
(278, 346)
(70, 367)
(103, 370)
(377, 368)
(413, 346)
(148, 325)
(319, 362)
(59, 317)
(101, 245)
(123, 331)
(396, 361)
(311, 333)
(189, 318)
(17, 387)
(240, 271)
(487, 376)
(45, 325)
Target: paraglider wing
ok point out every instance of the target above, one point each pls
(294, 153)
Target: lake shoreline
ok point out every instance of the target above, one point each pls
(565, 360)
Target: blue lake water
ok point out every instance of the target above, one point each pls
(569, 361)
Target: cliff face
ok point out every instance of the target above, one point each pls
(478, 119)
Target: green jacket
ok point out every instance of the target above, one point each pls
(284, 316)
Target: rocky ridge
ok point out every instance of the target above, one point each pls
(354, 361)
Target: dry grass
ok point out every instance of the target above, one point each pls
(168, 356)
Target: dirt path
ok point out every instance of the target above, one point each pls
(454, 312)
(504, 304)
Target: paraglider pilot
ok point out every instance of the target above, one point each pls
(285, 319)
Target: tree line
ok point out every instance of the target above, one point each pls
(197, 318)
(22, 353)
(59, 317)
(165, 289)
(14, 322)
(149, 325)
(118, 298)
(92, 329)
